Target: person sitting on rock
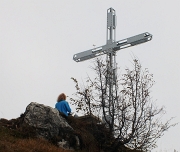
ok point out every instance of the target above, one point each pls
(62, 105)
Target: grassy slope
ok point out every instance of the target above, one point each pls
(15, 137)
(14, 141)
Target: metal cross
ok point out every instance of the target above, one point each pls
(110, 49)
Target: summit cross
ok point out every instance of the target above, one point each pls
(110, 49)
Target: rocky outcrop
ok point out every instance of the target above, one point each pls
(48, 123)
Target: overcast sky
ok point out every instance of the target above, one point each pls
(38, 40)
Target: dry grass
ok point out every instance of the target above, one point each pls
(11, 141)
(29, 145)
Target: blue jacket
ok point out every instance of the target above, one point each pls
(63, 107)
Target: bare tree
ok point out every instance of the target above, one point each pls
(84, 98)
(131, 115)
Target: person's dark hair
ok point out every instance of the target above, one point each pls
(61, 97)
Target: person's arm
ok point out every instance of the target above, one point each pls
(68, 107)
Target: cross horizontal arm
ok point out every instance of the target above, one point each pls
(92, 53)
(88, 54)
(131, 41)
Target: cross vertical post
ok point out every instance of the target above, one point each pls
(111, 56)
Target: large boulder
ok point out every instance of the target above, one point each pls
(47, 122)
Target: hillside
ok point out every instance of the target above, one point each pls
(22, 139)
(18, 137)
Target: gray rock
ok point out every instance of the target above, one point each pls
(46, 120)
(65, 145)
